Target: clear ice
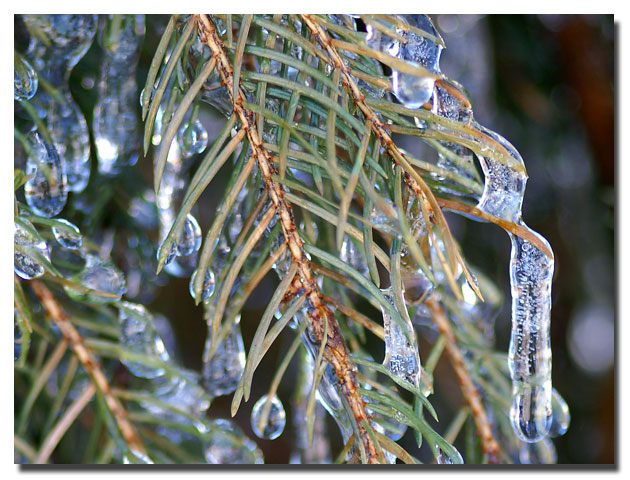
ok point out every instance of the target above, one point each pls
(98, 274)
(67, 234)
(24, 80)
(226, 444)
(276, 419)
(192, 138)
(222, 372)
(46, 192)
(138, 335)
(25, 266)
(190, 238)
(208, 285)
(401, 356)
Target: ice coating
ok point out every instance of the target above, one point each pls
(401, 355)
(25, 266)
(98, 274)
(276, 419)
(227, 444)
(222, 372)
(138, 335)
(116, 123)
(24, 80)
(46, 192)
(351, 255)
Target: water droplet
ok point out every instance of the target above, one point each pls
(192, 139)
(67, 234)
(24, 80)
(31, 246)
(101, 275)
(190, 239)
(138, 335)
(226, 444)
(560, 415)
(276, 419)
(208, 285)
(46, 191)
(223, 371)
(444, 459)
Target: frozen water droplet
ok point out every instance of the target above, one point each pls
(351, 255)
(542, 452)
(276, 419)
(67, 234)
(208, 285)
(226, 444)
(411, 90)
(530, 413)
(123, 44)
(223, 371)
(190, 239)
(98, 274)
(401, 356)
(46, 191)
(26, 264)
(444, 459)
(192, 139)
(183, 392)
(138, 335)
(69, 132)
(382, 222)
(560, 415)
(24, 80)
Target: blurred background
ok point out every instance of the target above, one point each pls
(547, 84)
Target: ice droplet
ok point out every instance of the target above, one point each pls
(276, 420)
(67, 234)
(138, 335)
(542, 452)
(190, 238)
(401, 355)
(226, 444)
(208, 285)
(444, 459)
(24, 80)
(69, 132)
(351, 255)
(25, 266)
(98, 274)
(182, 391)
(560, 415)
(223, 371)
(46, 191)
(192, 138)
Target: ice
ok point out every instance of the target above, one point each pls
(276, 418)
(46, 192)
(25, 266)
(542, 452)
(560, 415)
(353, 256)
(444, 459)
(401, 356)
(190, 238)
(192, 138)
(24, 80)
(227, 444)
(208, 284)
(222, 372)
(138, 335)
(98, 274)
(67, 234)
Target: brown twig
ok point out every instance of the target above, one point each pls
(89, 362)
(488, 444)
(319, 314)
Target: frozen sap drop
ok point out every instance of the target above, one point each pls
(45, 191)
(190, 239)
(223, 371)
(192, 138)
(24, 80)
(67, 234)
(138, 334)
(276, 418)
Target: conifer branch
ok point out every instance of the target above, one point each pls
(488, 444)
(319, 315)
(89, 362)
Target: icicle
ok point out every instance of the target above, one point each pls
(26, 265)
(138, 335)
(227, 444)
(24, 80)
(69, 132)
(68, 39)
(223, 371)
(98, 274)
(116, 125)
(67, 234)
(46, 191)
(276, 419)
(401, 356)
